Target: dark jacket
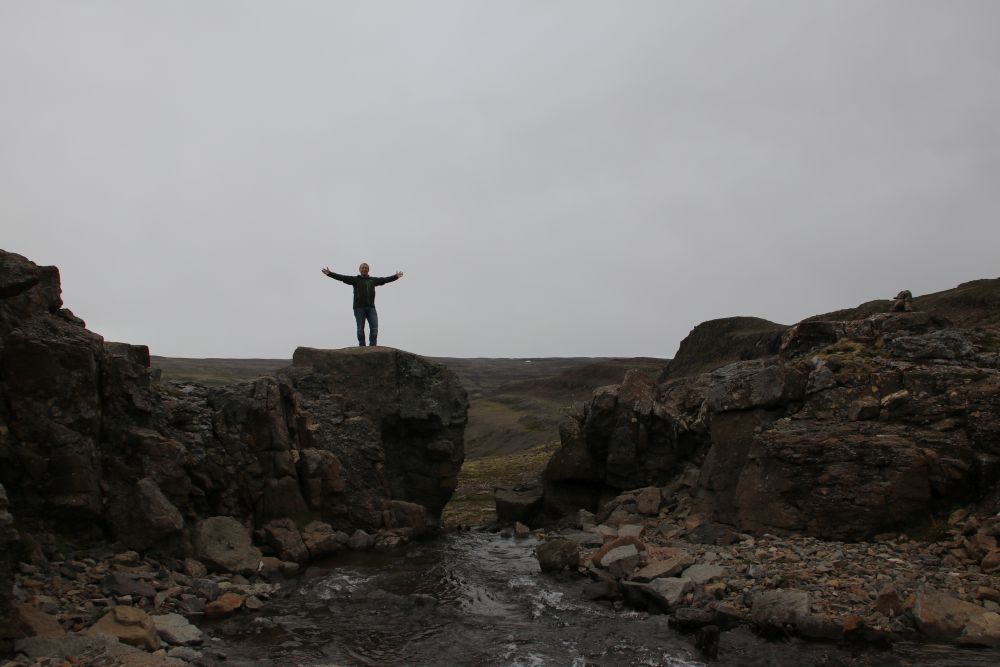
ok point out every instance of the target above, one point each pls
(364, 288)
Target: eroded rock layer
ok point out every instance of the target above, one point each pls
(847, 429)
(366, 438)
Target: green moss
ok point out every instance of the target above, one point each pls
(472, 503)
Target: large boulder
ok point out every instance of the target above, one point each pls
(223, 544)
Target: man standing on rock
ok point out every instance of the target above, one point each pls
(364, 299)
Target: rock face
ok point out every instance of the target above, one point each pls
(8, 539)
(368, 438)
(844, 430)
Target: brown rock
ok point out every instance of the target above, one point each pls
(222, 543)
(983, 630)
(33, 622)
(130, 625)
(226, 604)
(554, 555)
(669, 567)
(621, 561)
(987, 593)
(888, 601)
(772, 612)
(852, 623)
(517, 504)
(614, 544)
(943, 617)
(647, 501)
(991, 562)
(194, 569)
(716, 590)
(320, 540)
(285, 538)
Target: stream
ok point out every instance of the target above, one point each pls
(474, 598)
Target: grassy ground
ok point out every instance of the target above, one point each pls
(472, 504)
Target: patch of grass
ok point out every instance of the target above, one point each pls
(472, 504)
(845, 348)
(989, 342)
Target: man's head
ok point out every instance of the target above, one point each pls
(363, 269)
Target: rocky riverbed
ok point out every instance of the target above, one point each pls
(96, 606)
(479, 598)
(649, 550)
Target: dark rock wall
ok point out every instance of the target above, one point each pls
(8, 547)
(718, 342)
(89, 443)
(851, 429)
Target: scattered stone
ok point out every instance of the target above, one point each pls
(775, 613)
(647, 501)
(176, 630)
(598, 555)
(517, 504)
(121, 584)
(130, 625)
(943, 617)
(284, 538)
(226, 604)
(670, 567)
(987, 593)
(194, 569)
(607, 532)
(620, 561)
(630, 530)
(669, 591)
(520, 530)
(703, 573)
(888, 601)
(558, 554)
(321, 540)
(223, 544)
(360, 540)
(33, 622)
(983, 630)
(185, 653)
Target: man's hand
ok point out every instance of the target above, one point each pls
(327, 271)
(399, 274)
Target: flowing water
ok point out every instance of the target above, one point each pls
(479, 599)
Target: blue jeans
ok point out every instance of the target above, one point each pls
(362, 314)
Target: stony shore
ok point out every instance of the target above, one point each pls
(656, 553)
(102, 607)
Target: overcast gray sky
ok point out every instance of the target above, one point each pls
(555, 177)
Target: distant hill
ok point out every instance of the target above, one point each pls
(215, 372)
(514, 404)
(715, 343)
(525, 413)
(972, 304)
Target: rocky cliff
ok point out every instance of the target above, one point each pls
(836, 429)
(92, 446)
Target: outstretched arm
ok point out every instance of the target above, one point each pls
(389, 279)
(336, 276)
